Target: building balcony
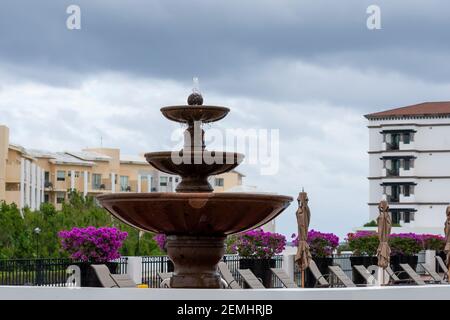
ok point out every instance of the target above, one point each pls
(406, 146)
(407, 199)
(392, 146)
(386, 146)
(385, 172)
(48, 186)
(393, 199)
(407, 173)
(394, 173)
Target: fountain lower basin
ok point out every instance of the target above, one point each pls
(208, 214)
(196, 225)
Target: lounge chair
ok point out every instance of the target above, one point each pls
(104, 276)
(123, 281)
(341, 276)
(251, 280)
(108, 280)
(443, 267)
(412, 274)
(228, 279)
(321, 281)
(394, 276)
(284, 278)
(433, 274)
(368, 277)
(165, 279)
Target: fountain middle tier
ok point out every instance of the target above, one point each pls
(194, 167)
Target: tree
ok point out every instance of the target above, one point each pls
(18, 239)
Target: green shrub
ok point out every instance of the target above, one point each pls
(18, 239)
(363, 243)
(372, 223)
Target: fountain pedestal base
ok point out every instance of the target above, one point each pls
(195, 259)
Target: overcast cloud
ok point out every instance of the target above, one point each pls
(308, 68)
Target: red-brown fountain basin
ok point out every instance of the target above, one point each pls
(203, 163)
(190, 114)
(199, 214)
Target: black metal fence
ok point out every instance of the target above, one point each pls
(343, 261)
(232, 262)
(52, 272)
(151, 265)
(41, 272)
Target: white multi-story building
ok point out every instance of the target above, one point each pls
(409, 151)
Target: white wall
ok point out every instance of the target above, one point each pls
(432, 292)
(375, 165)
(428, 216)
(432, 190)
(375, 139)
(432, 164)
(433, 138)
(375, 190)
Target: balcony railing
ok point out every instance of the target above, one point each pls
(392, 146)
(393, 172)
(393, 199)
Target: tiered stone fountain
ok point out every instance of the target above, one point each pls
(195, 219)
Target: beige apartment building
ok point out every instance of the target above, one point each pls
(29, 177)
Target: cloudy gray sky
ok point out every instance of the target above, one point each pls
(308, 68)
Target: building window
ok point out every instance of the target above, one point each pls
(395, 142)
(60, 175)
(407, 190)
(12, 186)
(163, 181)
(406, 217)
(395, 215)
(123, 183)
(406, 164)
(219, 182)
(77, 174)
(46, 198)
(395, 194)
(407, 138)
(96, 180)
(60, 197)
(47, 176)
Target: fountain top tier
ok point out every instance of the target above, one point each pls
(194, 163)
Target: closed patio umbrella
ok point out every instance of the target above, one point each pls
(384, 230)
(303, 256)
(447, 240)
